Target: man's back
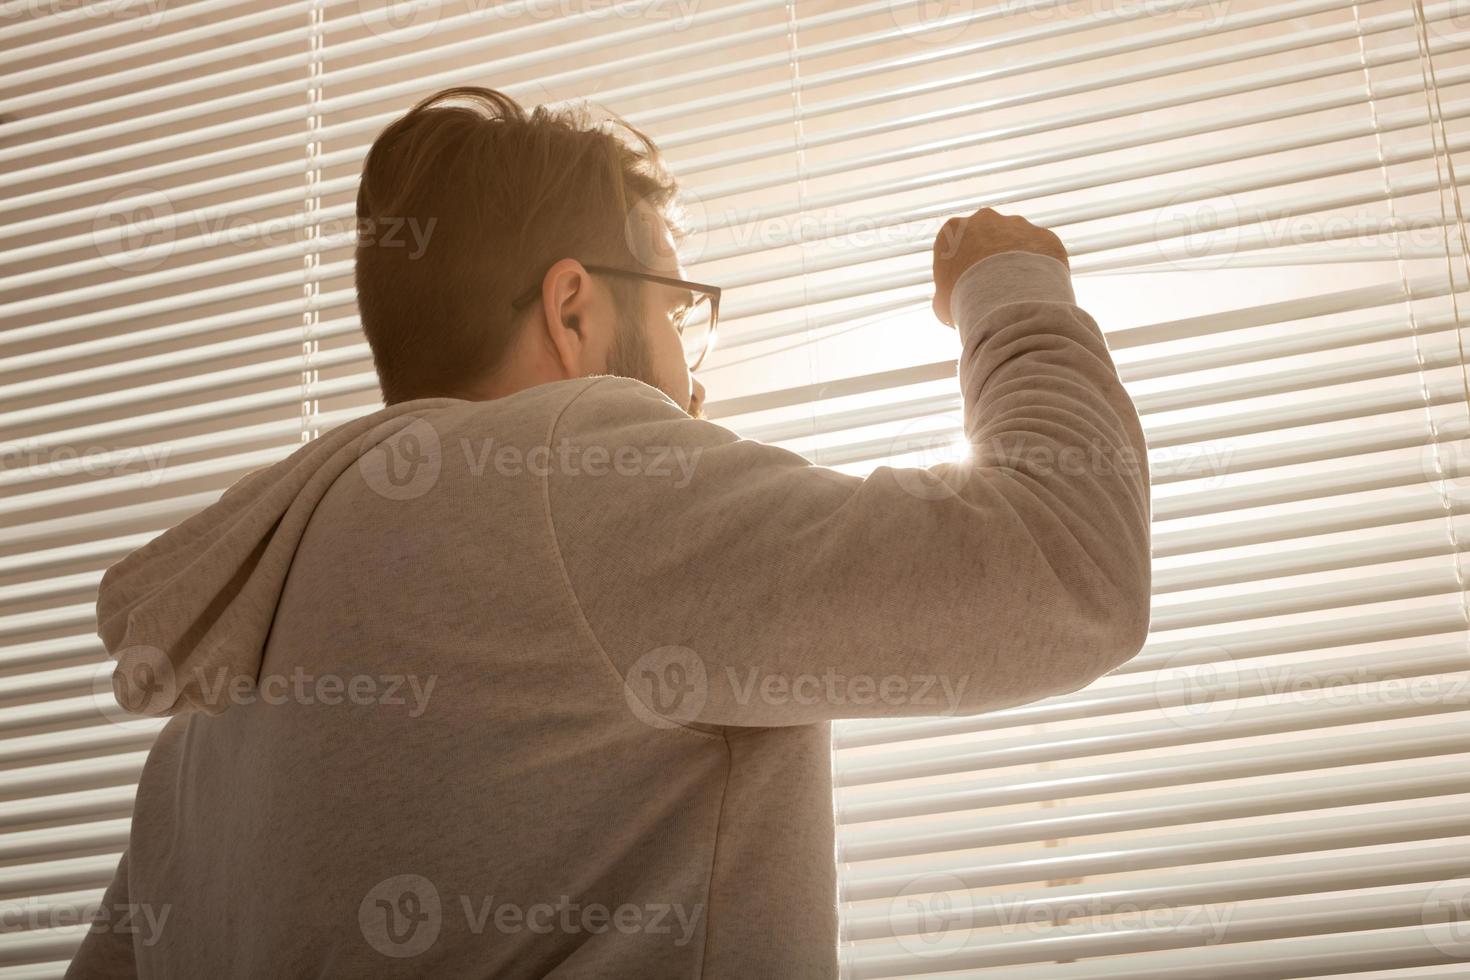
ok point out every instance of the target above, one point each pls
(439, 775)
(540, 685)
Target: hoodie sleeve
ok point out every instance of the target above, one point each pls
(728, 582)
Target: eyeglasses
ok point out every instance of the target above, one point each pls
(697, 322)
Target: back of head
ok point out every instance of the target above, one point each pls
(464, 203)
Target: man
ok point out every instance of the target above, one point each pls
(531, 673)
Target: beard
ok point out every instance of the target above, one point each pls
(631, 357)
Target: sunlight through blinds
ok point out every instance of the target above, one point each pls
(1260, 201)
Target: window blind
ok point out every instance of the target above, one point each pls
(152, 173)
(1262, 210)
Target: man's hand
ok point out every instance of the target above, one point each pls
(964, 241)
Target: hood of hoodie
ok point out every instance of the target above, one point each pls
(198, 600)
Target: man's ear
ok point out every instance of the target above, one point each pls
(565, 295)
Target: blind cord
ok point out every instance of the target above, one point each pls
(1439, 137)
(311, 227)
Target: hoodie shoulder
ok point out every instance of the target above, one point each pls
(609, 401)
(201, 596)
(534, 411)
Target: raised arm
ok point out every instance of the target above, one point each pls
(738, 584)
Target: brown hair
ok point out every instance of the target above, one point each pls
(493, 196)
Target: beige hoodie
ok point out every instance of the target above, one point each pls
(541, 686)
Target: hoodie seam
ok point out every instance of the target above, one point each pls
(714, 856)
(560, 563)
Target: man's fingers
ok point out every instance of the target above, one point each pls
(947, 242)
(962, 242)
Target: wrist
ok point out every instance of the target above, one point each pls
(1008, 277)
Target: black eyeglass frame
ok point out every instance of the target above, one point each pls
(713, 292)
